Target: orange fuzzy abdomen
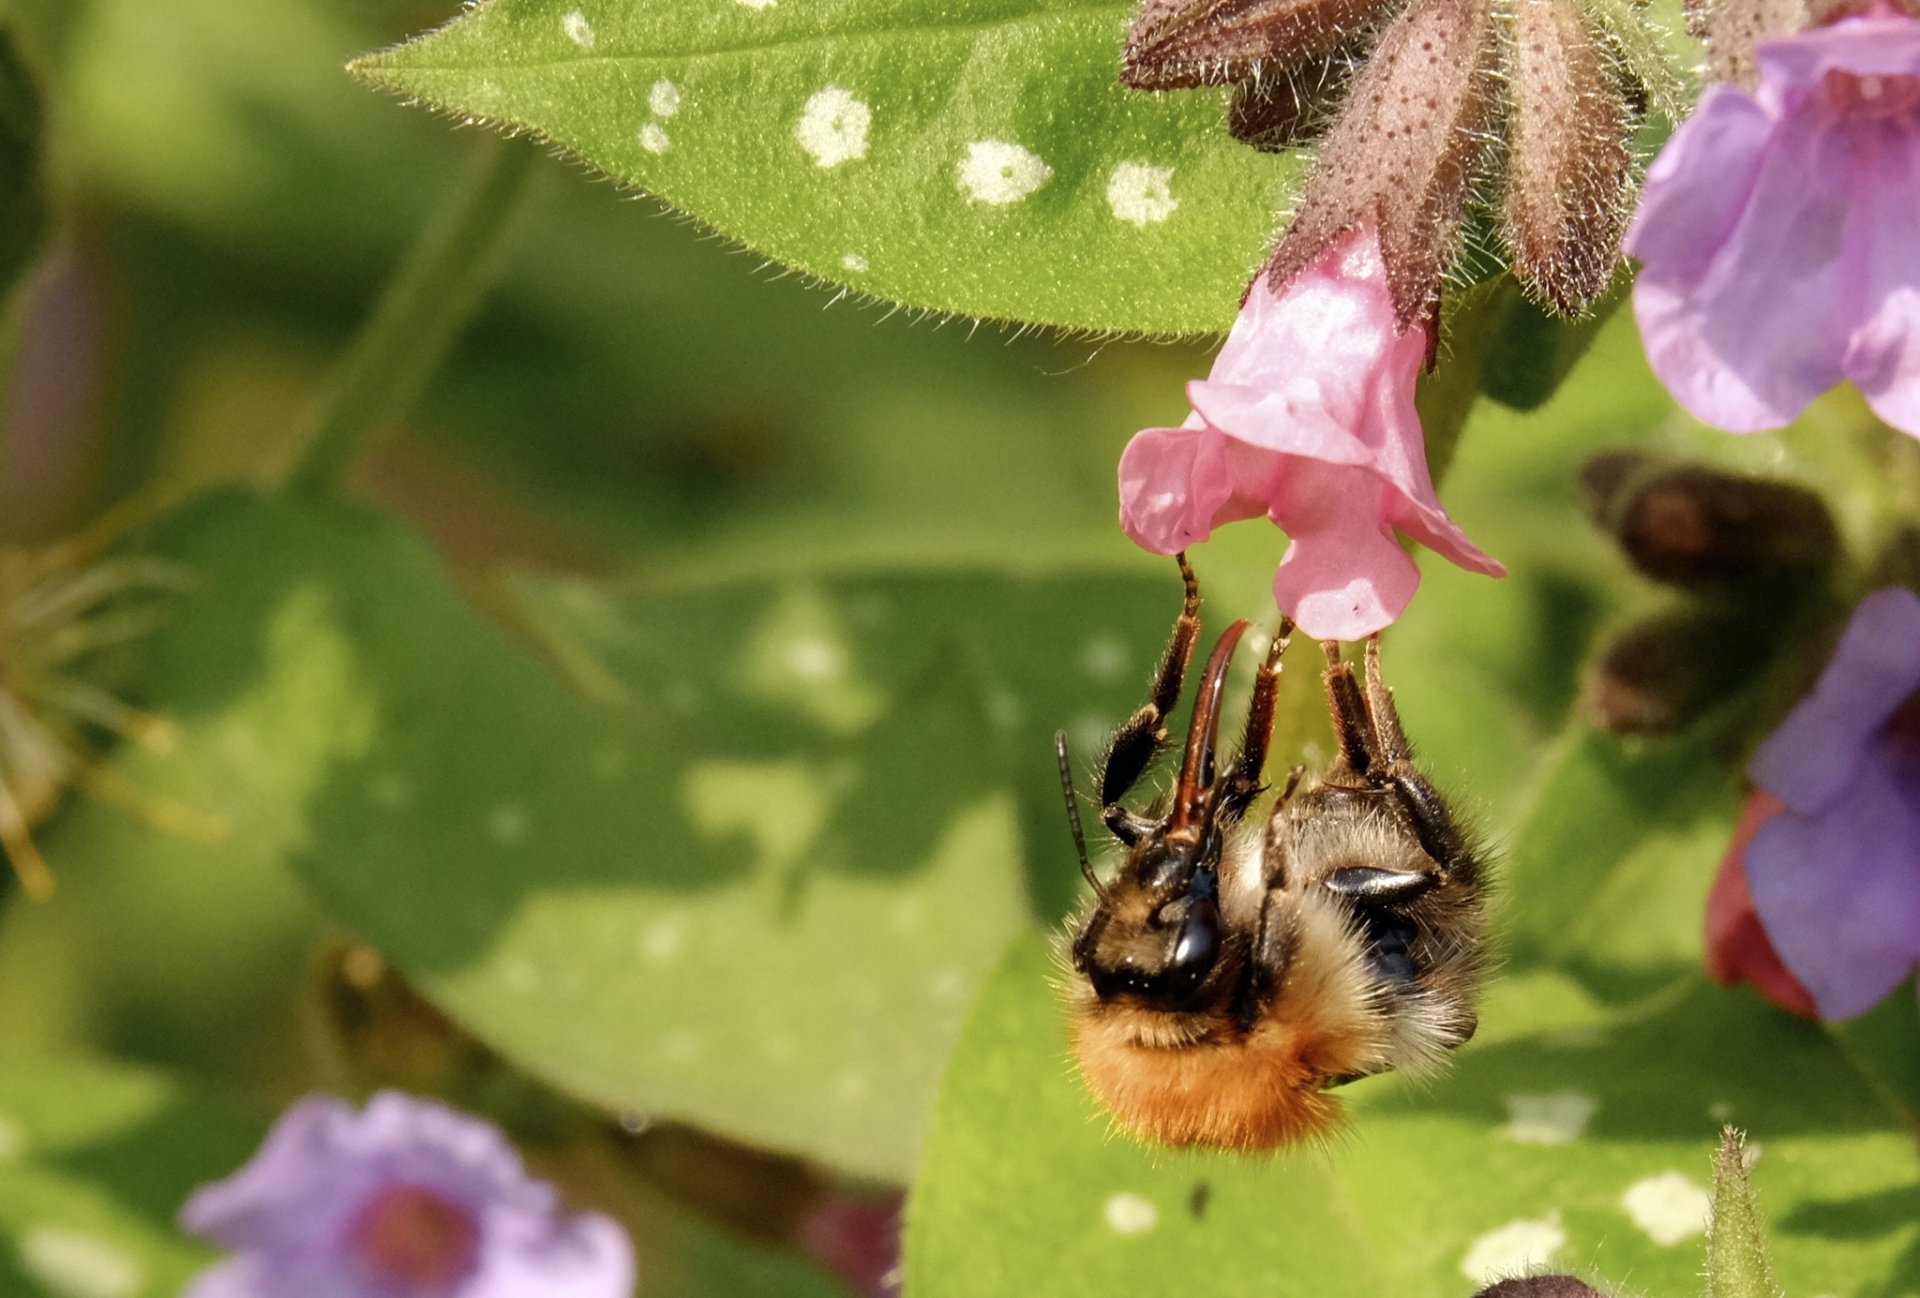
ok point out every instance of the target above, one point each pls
(1251, 1091)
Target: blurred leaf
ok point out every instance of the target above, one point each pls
(1567, 1134)
(754, 891)
(1737, 1264)
(23, 197)
(1531, 351)
(94, 1162)
(978, 157)
(1568, 1131)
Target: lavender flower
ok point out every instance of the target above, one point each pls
(405, 1199)
(1835, 872)
(1777, 232)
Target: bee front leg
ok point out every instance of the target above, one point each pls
(1352, 725)
(1243, 782)
(1142, 735)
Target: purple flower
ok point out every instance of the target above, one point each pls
(1835, 875)
(404, 1199)
(1777, 233)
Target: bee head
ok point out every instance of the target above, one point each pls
(1155, 934)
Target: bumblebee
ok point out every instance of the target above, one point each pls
(1241, 963)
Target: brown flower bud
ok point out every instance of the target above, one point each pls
(1700, 528)
(1541, 1286)
(1663, 673)
(1278, 112)
(1569, 168)
(1403, 151)
(1180, 43)
(1731, 28)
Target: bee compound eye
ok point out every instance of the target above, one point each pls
(1197, 948)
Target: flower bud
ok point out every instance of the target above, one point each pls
(1569, 169)
(1700, 528)
(1662, 674)
(1179, 43)
(1541, 1286)
(1403, 151)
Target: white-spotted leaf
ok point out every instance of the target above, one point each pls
(978, 157)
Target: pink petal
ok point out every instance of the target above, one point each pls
(1343, 577)
(1738, 949)
(1816, 753)
(1838, 891)
(1748, 343)
(1884, 359)
(1871, 46)
(1697, 187)
(1174, 485)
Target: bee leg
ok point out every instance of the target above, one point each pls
(1389, 739)
(1273, 948)
(1431, 820)
(1142, 735)
(1243, 782)
(1352, 726)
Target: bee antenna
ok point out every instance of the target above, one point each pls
(1073, 810)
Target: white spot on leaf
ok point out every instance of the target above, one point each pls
(814, 659)
(1129, 1214)
(1668, 1207)
(390, 790)
(73, 1264)
(947, 985)
(1512, 1249)
(1559, 1118)
(833, 127)
(664, 98)
(654, 138)
(578, 29)
(1103, 657)
(1000, 172)
(854, 262)
(13, 1141)
(759, 4)
(1141, 193)
(664, 939)
(507, 824)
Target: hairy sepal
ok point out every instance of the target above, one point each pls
(1404, 151)
(1175, 44)
(1569, 161)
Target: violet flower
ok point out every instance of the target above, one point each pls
(404, 1199)
(1307, 418)
(1834, 872)
(1777, 232)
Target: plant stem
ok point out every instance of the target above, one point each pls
(429, 299)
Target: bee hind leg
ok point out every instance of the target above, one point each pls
(1143, 735)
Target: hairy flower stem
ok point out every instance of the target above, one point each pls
(431, 296)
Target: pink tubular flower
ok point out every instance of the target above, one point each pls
(1738, 949)
(1307, 418)
(1834, 873)
(1777, 233)
(406, 1199)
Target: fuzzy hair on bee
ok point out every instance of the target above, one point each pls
(1241, 963)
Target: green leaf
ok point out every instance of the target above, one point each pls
(1737, 1265)
(977, 157)
(1567, 1135)
(747, 872)
(1564, 1134)
(94, 1163)
(23, 197)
